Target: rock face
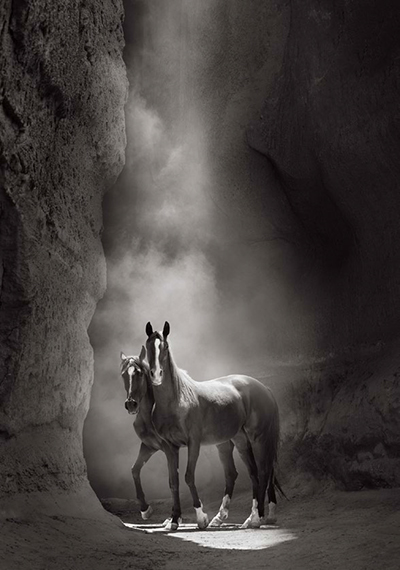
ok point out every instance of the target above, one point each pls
(343, 421)
(62, 141)
(330, 131)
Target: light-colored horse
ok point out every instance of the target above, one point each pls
(230, 411)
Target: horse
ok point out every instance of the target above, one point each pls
(232, 411)
(140, 401)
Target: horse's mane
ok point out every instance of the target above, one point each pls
(141, 364)
(184, 385)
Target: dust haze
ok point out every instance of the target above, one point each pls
(168, 257)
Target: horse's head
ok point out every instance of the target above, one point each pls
(133, 372)
(157, 351)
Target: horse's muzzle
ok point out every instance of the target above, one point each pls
(132, 406)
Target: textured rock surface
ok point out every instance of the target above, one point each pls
(330, 128)
(62, 140)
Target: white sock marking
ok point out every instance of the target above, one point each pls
(147, 513)
(271, 513)
(201, 517)
(253, 521)
(223, 512)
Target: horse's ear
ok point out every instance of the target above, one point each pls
(142, 354)
(166, 330)
(123, 357)
(149, 329)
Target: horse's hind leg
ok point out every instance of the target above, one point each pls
(265, 469)
(225, 451)
(144, 455)
(193, 454)
(246, 453)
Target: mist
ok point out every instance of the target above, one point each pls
(183, 243)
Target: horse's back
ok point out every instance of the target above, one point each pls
(256, 399)
(245, 386)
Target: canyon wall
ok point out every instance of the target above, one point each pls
(330, 130)
(62, 142)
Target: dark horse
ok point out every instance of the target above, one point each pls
(230, 411)
(140, 401)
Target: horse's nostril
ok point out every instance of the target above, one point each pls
(131, 405)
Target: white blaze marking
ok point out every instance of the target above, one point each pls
(157, 369)
(131, 371)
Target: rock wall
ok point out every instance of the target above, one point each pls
(345, 421)
(62, 139)
(330, 131)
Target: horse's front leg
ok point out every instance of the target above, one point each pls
(172, 453)
(144, 455)
(193, 454)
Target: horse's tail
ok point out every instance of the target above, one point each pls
(273, 434)
(273, 447)
(280, 490)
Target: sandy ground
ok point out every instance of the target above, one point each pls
(332, 529)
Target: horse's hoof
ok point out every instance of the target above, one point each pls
(216, 522)
(147, 513)
(203, 522)
(201, 517)
(168, 524)
(251, 523)
(270, 520)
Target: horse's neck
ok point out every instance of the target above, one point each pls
(147, 403)
(167, 393)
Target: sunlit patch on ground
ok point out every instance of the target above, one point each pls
(230, 537)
